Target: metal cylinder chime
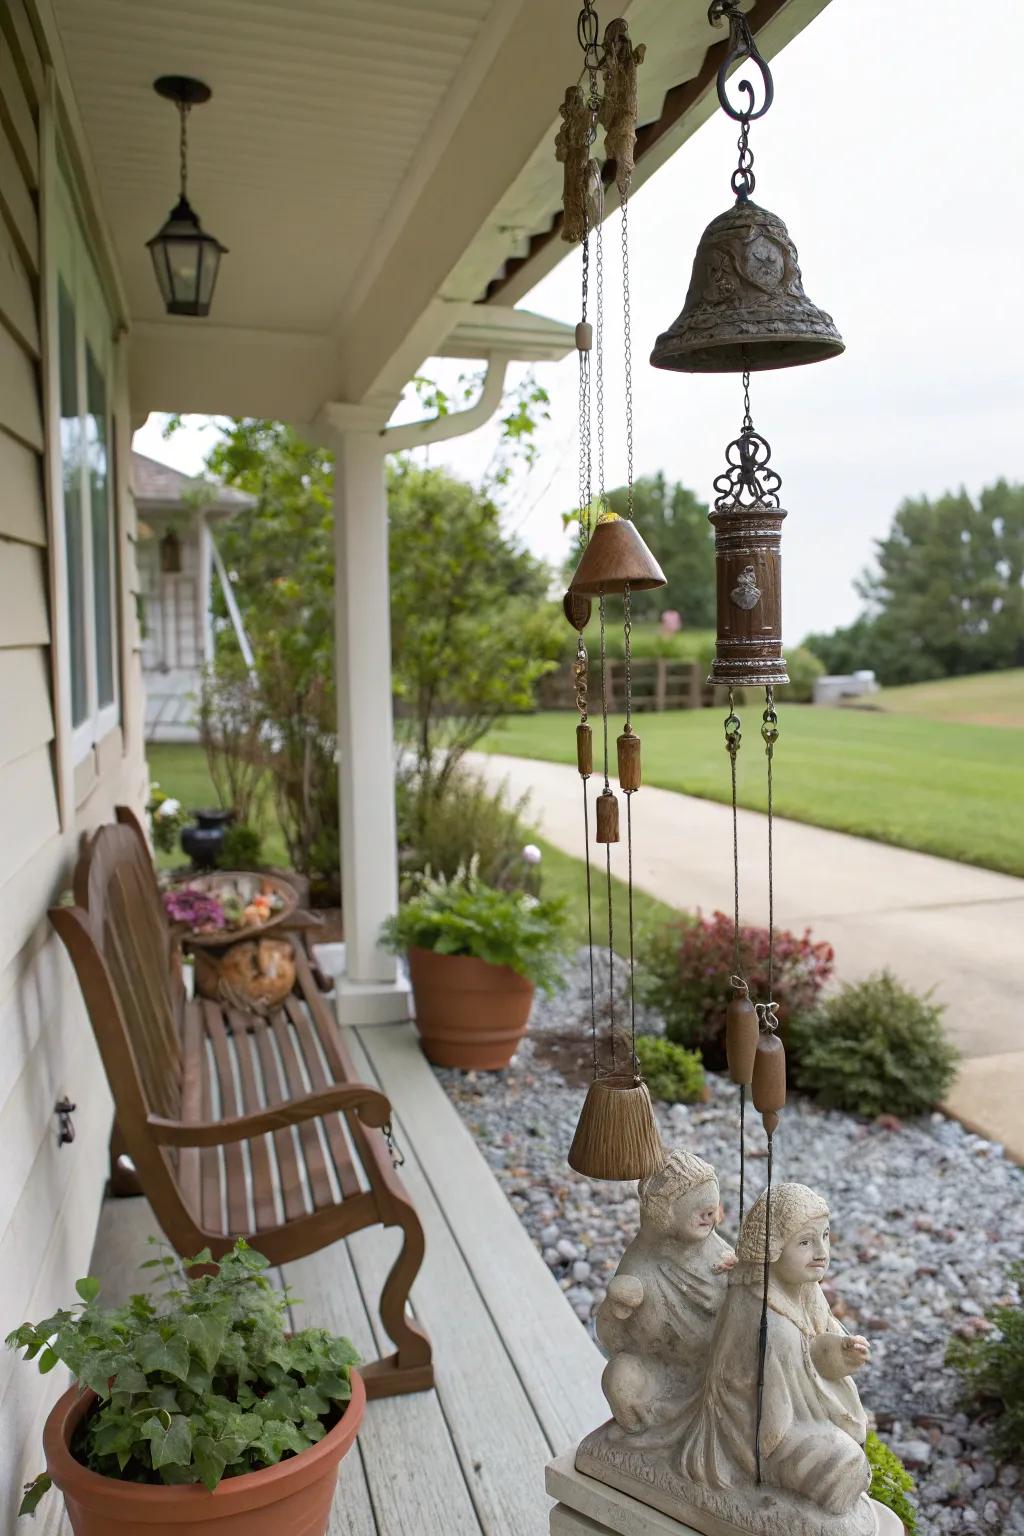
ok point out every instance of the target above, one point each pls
(746, 312)
(617, 1136)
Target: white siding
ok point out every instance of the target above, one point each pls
(49, 1195)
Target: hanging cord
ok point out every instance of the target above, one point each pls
(599, 365)
(770, 734)
(601, 608)
(627, 618)
(733, 739)
(762, 1332)
(585, 498)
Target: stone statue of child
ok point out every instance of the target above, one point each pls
(813, 1426)
(657, 1318)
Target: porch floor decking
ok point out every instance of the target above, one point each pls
(518, 1378)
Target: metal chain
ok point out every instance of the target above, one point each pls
(599, 363)
(394, 1151)
(770, 734)
(733, 740)
(627, 351)
(590, 921)
(183, 108)
(743, 180)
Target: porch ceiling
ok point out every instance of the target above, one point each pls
(374, 166)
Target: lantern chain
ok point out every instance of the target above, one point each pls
(183, 109)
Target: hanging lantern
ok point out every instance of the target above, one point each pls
(616, 560)
(186, 259)
(746, 309)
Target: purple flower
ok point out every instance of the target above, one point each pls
(194, 908)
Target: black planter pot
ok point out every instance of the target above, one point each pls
(204, 841)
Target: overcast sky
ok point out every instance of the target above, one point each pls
(893, 153)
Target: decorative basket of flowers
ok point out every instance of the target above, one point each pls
(214, 910)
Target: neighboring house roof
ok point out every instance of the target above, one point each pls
(159, 488)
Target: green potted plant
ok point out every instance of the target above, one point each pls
(475, 955)
(197, 1409)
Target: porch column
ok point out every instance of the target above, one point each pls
(368, 990)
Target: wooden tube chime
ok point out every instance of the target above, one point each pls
(617, 1136)
(746, 311)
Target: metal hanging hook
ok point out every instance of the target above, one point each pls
(741, 48)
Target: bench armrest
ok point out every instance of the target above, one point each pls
(372, 1107)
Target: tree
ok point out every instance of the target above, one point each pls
(946, 593)
(675, 525)
(470, 631)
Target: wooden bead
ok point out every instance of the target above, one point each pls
(629, 761)
(584, 336)
(741, 1033)
(584, 750)
(607, 817)
(768, 1086)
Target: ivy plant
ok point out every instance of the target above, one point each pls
(463, 916)
(202, 1383)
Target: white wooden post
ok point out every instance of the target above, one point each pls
(368, 991)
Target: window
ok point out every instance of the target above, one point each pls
(84, 345)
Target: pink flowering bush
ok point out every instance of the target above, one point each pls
(685, 970)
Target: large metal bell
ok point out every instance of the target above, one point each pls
(615, 558)
(746, 308)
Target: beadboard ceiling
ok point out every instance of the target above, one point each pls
(318, 109)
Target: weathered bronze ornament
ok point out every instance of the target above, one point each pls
(747, 520)
(746, 309)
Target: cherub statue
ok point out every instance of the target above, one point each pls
(572, 150)
(813, 1426)
(656, 1320)
(619, 108)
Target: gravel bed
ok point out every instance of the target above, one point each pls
(925, 1220)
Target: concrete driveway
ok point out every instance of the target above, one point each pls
(933, 922)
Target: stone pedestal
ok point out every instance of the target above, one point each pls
(586, 1507)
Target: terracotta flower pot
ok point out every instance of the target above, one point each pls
(469, 1013)
(294, 1497)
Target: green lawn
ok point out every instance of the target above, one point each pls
(181, 771)
(987, 698)
(946, 788)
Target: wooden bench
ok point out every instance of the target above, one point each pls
(237, 1124)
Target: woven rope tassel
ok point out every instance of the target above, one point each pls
(617, 1136)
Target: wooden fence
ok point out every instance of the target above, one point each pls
(658, 683)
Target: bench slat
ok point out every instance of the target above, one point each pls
(348, 1179)
(241, 1026)
(292, 1192)
(234, 1155)
(312, 1150)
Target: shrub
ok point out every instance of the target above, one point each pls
(242, 848)
(204, 1384)
(992, 1368)
(672, 1073)
(232, 725)
(875, 1048)
(463, 916)
(443, 826)
(166, 819)
(890, 1481)
(685, 969)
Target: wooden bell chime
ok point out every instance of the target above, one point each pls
(617, 1136)
(746, 311)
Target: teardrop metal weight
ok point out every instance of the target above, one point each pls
(746, 308)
